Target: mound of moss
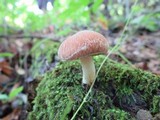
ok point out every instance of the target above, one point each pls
(119, 92)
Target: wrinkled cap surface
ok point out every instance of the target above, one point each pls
(81, 44)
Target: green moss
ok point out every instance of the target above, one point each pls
(60, 93)
(42, 52)
(116, 114)
(156, 104)
(44, 48)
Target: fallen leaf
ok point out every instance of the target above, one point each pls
(154, 66)
(142, 65)
(14, 115)
(6, 68)
(4, 79)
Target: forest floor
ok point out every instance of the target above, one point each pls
(141, 50)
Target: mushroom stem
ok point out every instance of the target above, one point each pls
(88, 69)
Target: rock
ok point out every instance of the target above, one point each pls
(143, 115)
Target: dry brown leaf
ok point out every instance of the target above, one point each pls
(14, 115)
(142, 65)
(149, 53)
(103, 23)
(13, 49)
(154, 66)
(4, 79)
(6, 68)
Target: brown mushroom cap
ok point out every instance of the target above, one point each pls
(82, 44)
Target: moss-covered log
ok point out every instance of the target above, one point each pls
(119, 92)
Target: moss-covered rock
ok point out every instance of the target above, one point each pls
(119, 92)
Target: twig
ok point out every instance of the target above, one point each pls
(51, 37)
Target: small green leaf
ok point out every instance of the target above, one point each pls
(15, 92)
(2, 55)
(3, 97)
(96, 5)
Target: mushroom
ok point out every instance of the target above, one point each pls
(83, 45)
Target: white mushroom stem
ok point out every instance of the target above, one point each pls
(88, 68)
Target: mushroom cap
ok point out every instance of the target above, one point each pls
(82, 44)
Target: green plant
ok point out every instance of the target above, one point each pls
(116, 114)
(12, 95)
(43, 54)
(24, 15)
(6, 54)
(156, 104)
